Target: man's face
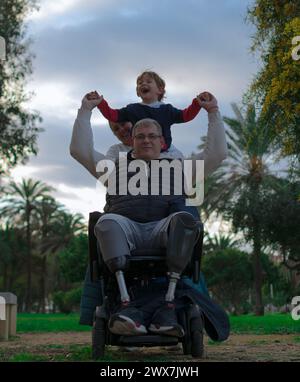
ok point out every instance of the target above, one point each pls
(122, 131)
(147, 142)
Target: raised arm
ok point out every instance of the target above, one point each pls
(215, 150)
(82, 142)
(191, 111)
(187, 114)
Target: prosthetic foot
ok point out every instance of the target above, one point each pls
(183, 232)
(117, 266)
(128, 321)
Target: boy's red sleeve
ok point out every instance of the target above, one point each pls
(107, 112)
(191, 111)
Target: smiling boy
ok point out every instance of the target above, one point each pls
(150, 88)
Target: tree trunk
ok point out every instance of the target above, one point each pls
(257, 272)
(5, 278)
(43, 283)
(28, 300)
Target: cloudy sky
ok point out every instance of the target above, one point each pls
(82, 45)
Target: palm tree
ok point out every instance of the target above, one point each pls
(12, 244)
(58, 228)
(219, 242)
(43, 220)
(235, 189)
(21, 202)
(63, 228)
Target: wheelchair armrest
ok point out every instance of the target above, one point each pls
(193, 268)
(197, 256)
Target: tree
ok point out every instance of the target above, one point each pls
(56, 229)
(236, 189)
(21, 203)
(219, 242)
(44, 219)
(18, 133)
(73, 259)
(276, 86)
(65, 227)
(229, 277)
(12, 249)
(281, 226)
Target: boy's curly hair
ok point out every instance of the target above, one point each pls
(159, 81)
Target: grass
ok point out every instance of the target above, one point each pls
(269, 324)
(27, 322)
(28, 357)
(71, 353)
(277, 323)
(39, 323)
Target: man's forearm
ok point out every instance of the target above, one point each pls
(215, 150)
(82, 145)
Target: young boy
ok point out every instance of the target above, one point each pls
(151, 89)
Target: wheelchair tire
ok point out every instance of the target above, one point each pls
(186, 340)
(197, 347)
(98, 338)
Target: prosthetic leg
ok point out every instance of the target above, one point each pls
(117, 266)
(183, 232)
(127, 320)
(112, 240)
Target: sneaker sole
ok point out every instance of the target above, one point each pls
(174, 331)
(126, 327)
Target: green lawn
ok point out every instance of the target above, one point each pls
(58, 322)
(271, 323)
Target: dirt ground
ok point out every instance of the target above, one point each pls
(239, 347)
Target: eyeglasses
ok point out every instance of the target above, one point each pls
(142, 137)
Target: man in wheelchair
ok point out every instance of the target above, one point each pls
(137, 221)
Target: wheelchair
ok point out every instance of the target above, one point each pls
(143, 265)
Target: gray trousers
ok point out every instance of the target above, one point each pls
(118, 235)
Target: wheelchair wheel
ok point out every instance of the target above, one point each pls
(186, 340)
(98, 338)
(197, 347)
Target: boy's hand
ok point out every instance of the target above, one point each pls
(208, 102)
(94, 95)
(91, 100)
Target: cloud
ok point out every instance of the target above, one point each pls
(199, 41)
(82, 45)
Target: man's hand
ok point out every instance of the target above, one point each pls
(91, 100)
(208, 102)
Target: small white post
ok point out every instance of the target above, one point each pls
(8, 315)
